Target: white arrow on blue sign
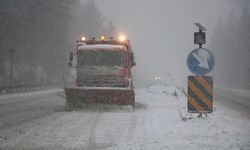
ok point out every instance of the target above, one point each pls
(200, 61)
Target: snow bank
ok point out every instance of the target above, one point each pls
(42, 92)
(166, 89)
(236, 95)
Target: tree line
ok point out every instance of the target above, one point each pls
(36, 36)
(231, 46)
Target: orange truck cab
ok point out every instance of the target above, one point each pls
(103, 73)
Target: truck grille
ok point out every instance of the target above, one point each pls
(101, 81)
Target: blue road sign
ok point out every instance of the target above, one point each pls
(200, 61)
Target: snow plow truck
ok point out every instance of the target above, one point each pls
(103, 73)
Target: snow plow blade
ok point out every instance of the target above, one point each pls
(79, 97)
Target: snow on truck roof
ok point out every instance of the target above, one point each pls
(102, 47)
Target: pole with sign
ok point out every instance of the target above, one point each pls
(200, 86)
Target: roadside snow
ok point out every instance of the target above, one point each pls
(154, 124)
(33, 93)
(236, 95)
(245, 93)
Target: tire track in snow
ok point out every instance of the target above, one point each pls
(32, 112)
(30, 129)
(147, 120)
(91, 140)
(132, 127)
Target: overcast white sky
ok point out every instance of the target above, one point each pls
(161, 31)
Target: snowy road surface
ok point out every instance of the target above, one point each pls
(38, 121)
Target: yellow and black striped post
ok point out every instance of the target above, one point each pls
(200, 94)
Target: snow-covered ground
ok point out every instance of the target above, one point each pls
(38, 121)
(238, 96)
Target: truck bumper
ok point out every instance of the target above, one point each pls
(76, 97)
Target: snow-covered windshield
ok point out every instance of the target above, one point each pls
(101, 58)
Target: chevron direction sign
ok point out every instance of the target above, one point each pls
(200, 94)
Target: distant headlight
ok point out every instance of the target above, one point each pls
(157, 78)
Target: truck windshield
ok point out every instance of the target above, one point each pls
(101, 58)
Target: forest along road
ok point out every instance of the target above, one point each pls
(38, 120)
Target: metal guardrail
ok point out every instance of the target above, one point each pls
(23, 89)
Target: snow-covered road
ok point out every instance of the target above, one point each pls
(38, 121)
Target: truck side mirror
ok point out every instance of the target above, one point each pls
(70, 59)
(70, 64)
(132, 57)
(71, 56)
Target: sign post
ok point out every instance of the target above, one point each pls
(200, 86)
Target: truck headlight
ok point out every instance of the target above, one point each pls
(122, 38)
(83, 38)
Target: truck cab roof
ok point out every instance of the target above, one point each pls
(102, 47)
(103, 44)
